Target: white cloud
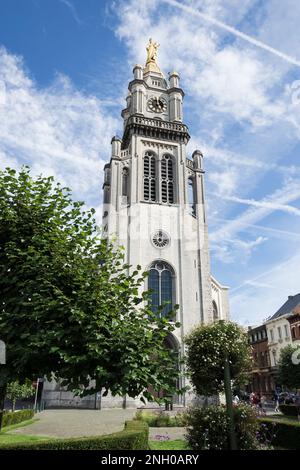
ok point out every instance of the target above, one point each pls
(226, 181)
(195, 12)
(288, 193)
(57, 130)
(250, 304)
(236, 250)
(265, 204)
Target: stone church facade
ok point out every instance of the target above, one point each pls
(154, 206)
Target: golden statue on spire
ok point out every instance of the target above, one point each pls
(151, 48)
(151, 65)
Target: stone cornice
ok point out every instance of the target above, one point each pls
(155, 129)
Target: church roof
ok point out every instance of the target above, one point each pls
(287, 307)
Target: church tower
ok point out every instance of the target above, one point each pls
(154, 200)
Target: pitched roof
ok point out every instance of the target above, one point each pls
(287, 307)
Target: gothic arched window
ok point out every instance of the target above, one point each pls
(191, 196)
(125, 182)
(215, 311)
(167, 179)
(161, 283)
(106, 196)
(150, 176)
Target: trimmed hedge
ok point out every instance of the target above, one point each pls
(15, 417)
(287, 434)
(133, 437)
(290, 410)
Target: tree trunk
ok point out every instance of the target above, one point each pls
(13, 404)
(229, 405)
(2, 398)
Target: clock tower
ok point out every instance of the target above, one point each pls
(154, 202)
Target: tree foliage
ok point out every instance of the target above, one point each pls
(289, 367)
(70, 307)
(207, 347)
(16, 391)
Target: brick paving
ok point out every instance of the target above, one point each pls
(77, 423)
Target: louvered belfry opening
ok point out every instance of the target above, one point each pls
(167, 179)
(161, 171)
(150, 177)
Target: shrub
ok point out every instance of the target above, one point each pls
(290, 410)
(286, 434)
(10, 418)
(133, 437)
(161, 419)
(208, 428)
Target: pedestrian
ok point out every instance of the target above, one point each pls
(235, 400)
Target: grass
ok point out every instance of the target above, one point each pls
(7, 438)
(19, 425)
(15, 438)
(177, 444)
(281, 417)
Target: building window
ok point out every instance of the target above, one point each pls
(162, 191)
(294, 333)
(167, 179)
(191, 196)
(271, 335)
(274, 357)
(286, 331)
(125, 182)
(279, 332)
(215, 311)
(106, 196)
(161, 285)
(258, 336)
(150, 177)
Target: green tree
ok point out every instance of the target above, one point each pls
(16, 391)
(207, 348)
(289, 367)
(70, 307)
(219, 357)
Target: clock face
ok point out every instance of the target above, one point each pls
(157, 105)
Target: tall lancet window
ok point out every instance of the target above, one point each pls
(150, 176)
(167, 179)
(215, 311)
(125, 182)
(162, 286)
(191, 196)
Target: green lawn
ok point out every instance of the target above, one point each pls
(177, 444)
(19, 425)
(282, 417)
(7, 438)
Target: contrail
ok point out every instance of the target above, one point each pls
(234, 31)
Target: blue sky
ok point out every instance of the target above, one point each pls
(64, 70)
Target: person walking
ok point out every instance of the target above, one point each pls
(235, 400)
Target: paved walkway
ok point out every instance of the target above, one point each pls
(77, 423)
(172, 433)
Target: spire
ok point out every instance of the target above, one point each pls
(151, 64)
